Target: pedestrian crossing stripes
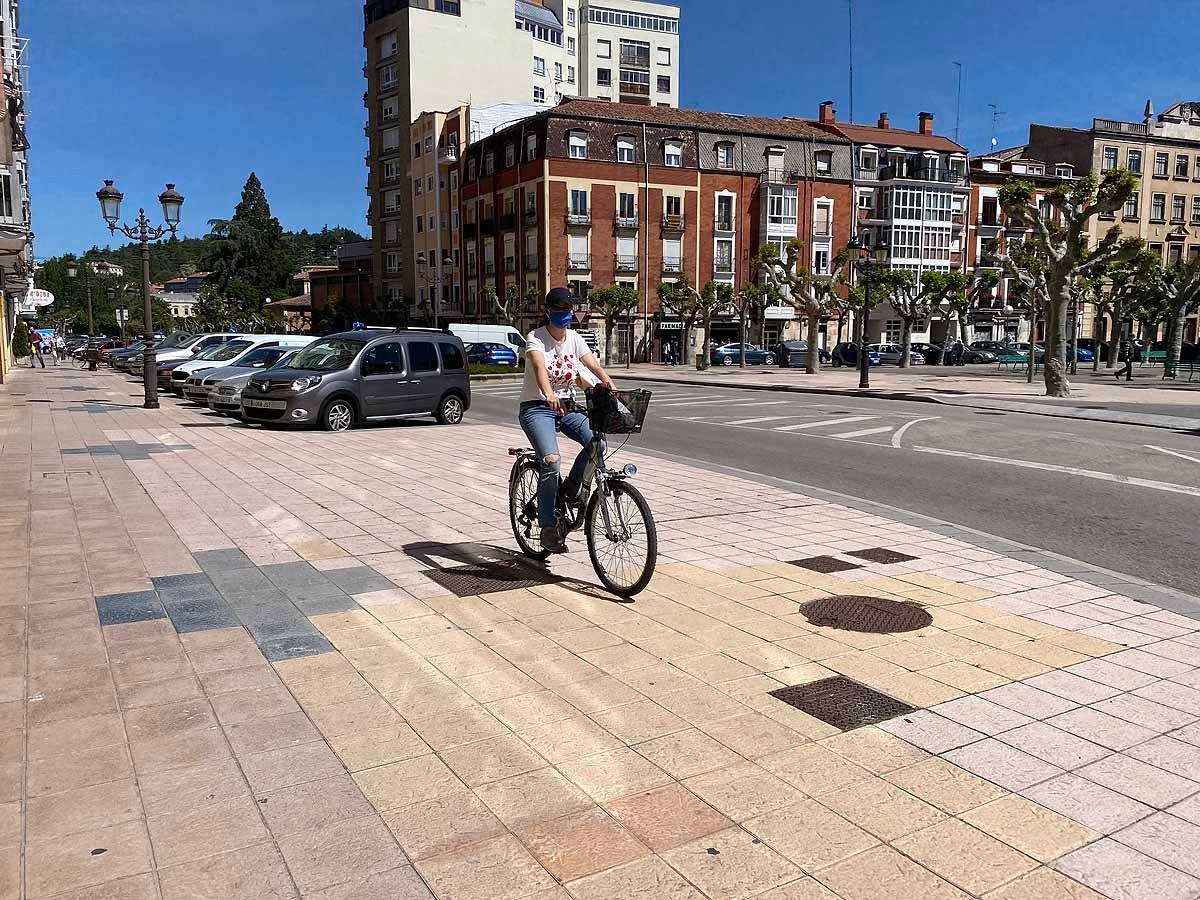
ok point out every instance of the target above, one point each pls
(801, 426)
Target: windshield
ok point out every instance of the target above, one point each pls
(229, 351)
(283, 361)
(176, 340)
(328, 355)
(260, 357)
(209, 352)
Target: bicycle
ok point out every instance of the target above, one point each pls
(621, 536)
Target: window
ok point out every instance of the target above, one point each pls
(724, 220)
(531, 146)
(866, 201)
(824, 161)
(422, 356)
(822, 220)
(674, 205)
(389, 110)
(388, 45)
(603, 49)
(510, 154)
(664, 84)
(579, 203)
(1196, 170)
(417, 150)
(891, 331)
(429, 145)
(454, 220)
(782, 206)
(725, 155)
(558, 72)
(868, 159)
(723, 257)
(989, 213)
(452, 357)
(391, 231)
(1178, 204)
(570, 46)
(664, 56)
(392, 170)
(489, 163)
(449, 7)
(1131, 206)
(1181, 166)
(1160, 165)
(673, 154)
(539, 66)
(1110, 159)
(570, 74)
(626, 206)
(392, 263)
(625, 152)
(1196, 210)
(820, 263)
(388, 78)
(1158, 208)
(429, 184)
(577, 144)
(417, 185)
(1133, 161)
(383, 359)
(453, 181)
(471, 170)
(1157, 250)
(570, 16)
(420, 224)
(1064, 171)
(604, 77)
(539, 95)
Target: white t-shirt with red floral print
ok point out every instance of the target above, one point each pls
(564, 363)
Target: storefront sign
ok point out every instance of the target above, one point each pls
(670, 326)
(777, 313)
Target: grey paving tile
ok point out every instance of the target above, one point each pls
(265, 613)
(1055, 746)
(194, 579)
(242, 598)
(315, 590)
(1140, 780)
(1003, 765)
(222, 560)
(186, 593)
(359, 579)
(121, 609)
(1123, 873)
(235, 580)
(318, 606)
(284, 628)
(1168, 753)
(292, 648)
(201, 615)
(1088, 803)
(1168, 839)
(291, 573)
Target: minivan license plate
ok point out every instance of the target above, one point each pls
(265, 404)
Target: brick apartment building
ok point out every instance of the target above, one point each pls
(589, 194)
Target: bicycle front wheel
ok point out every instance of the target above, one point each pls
(625, 554)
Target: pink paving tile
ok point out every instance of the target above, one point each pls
(1147, 713)
(1054, 745)
(1112, 674)
(1149, 663)
(1072, 687)
(1031, 701)
(930, 731)
(1001, 764)
(1088, 803)
(1125, 874)
(1101, 728)
(1167, 839)
(982, 715)
(1167, 753)
(1139, 780)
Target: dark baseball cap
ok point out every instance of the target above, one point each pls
(560, 298)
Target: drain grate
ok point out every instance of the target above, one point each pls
(881, 555)
(825, 564)
(842, 702)
(468, 581)
(872, 615)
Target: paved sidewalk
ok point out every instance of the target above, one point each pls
(238, 663)
(1095, 396)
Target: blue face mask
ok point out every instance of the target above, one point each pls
(561, 319)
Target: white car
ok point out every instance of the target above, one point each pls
(892, 354)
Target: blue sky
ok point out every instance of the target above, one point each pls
(202, 93)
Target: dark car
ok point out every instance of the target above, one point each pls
(931, 353)
(1188, 352)
(846, 354)
(491, 355)
(731, 355)
(794, 354)
(998, 347)
(343, 379)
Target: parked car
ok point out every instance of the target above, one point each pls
(225, 384)
(731, 355)
(997, 347)
(181, 349)
(846, 354)
(487, 354)
(794, 354)
(354, 376)
(973, 355)
(893, 353)
(931, 353)
(118, 358)
(232, 359)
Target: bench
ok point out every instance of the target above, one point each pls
(1150, 357)
(1012, 360)
(1179, 368)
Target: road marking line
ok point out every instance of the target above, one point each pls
(730, 400)
(845, 421)
(907, 425)
(694, 399)
(1173, 453)
(755, 421)
(863, 433)
(1068, 470)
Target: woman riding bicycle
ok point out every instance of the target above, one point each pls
(555, 357)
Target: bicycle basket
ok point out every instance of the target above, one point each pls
(617, 412)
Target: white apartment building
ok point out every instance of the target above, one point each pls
(16, 252)
(631, 52)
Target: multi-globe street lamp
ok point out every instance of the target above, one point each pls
(143, 232)
(875, 256)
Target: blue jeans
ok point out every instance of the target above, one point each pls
(538, 421)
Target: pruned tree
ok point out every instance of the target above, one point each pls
(681, 299)
(508, 310)
(812, 296)
(916, 298)
(1114, 293)
(1179, 287)
(1061, 237)
(613, 303)
(749, 304)
(977, 287)
(714, 296)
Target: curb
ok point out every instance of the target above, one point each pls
(1112, 417)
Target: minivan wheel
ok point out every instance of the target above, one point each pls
(450, 411)
(338, 415)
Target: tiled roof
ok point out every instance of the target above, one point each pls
(728, 123)
(893, 137)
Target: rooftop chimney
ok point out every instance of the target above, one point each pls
(925, 123)
(883, 121)
(826, 116)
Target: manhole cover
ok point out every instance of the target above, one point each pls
(881, 555)
(467, 581)
(873, 615)
(825, 564)
(842, 702)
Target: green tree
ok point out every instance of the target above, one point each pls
(613, 303)
(917, 298)
(714, 296)
(1179, 288)
(681, 299)
(963, 300)
(812, 296)
(20, 340)
(749, 304)
(249, 261)
(1114, 292)
(1061, 239)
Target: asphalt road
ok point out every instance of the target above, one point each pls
(1123, 497)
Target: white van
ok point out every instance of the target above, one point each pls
(470, 333)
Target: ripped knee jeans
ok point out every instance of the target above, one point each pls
(538, 421)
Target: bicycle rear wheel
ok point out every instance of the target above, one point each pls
(625, 558)
(522, 509)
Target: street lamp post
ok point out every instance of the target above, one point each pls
(72, 272)
(433, 280)
(143, 232)
(876, 256)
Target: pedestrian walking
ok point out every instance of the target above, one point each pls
(35, 349)
(1125, 355)
(668, 353)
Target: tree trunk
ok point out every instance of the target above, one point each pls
(742, 341)
(1175, 346)
(608, 341)
(702, 358)
(905, 340)
(1097, 337)
(813, 363)
(1054, 370)
(962, 330)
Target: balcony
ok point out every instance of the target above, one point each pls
(627, 223)
(779, 176)
(626, 263)
(578, 262)
(922, 173)
(634, 60)
(531, 217)
(508, 221)
(723, 222)
(1138, 128)
(672, 265)
(579, 219)
(510, 264)
(448, 152)
(531, 262)
(672, 222)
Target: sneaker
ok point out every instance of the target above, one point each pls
(552, 540)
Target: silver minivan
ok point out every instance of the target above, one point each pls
(355, 376)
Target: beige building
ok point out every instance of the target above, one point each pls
(1163, 151)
